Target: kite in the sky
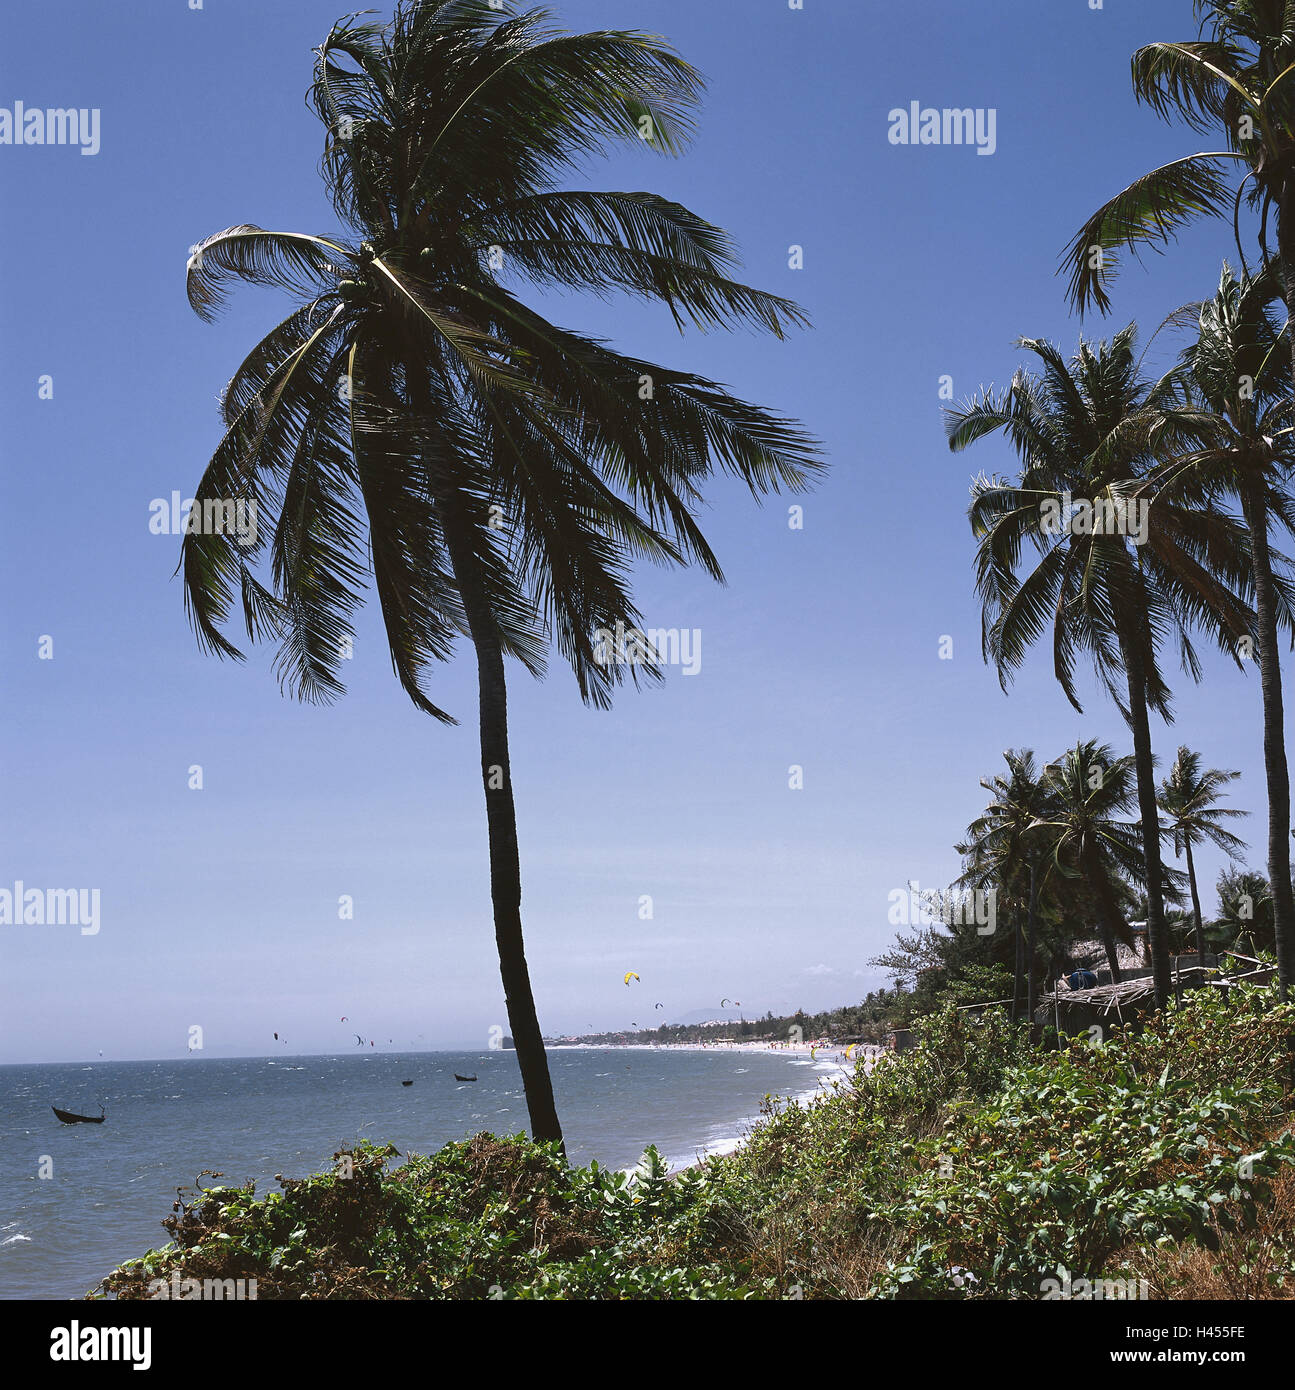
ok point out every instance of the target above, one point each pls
(359, 1041)
(631, 975)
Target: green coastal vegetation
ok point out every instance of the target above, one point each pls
(499, 475)
(976, 1165)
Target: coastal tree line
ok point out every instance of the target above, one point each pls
(1061, 844)
(1142, 517)
(871, 1020)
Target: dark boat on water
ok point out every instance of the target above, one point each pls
(457, 1077)
(406, 1083)
(70, 1117)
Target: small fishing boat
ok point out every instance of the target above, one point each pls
(406, 1083)
(457, 1077)
(70, 1117)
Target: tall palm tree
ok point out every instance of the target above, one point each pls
(1003, 850)
(1082, 432)
(1234, 436)
(1187, 797)
(414, 419)
(1092, 791)
(1237, 79)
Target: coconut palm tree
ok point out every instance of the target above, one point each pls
(1113, 580)
(413, 420)
(1188, 797)
(1234, 437)
(1003, 851)
(1089, 837)
(1245, 917)
(1236, 80)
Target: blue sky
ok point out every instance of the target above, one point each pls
(219, 907)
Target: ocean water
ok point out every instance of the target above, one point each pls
(111, 1184)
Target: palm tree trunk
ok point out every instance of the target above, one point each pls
(1018, 974)
(1149, 812)
(1106, 910)
(1196, 905)
(1031, 994)
(501, 819)
(1255, 509)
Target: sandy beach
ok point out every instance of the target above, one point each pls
(826, 1062)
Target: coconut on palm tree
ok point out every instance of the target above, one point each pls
(1189, 798)
(415, 422)
(1115, 578)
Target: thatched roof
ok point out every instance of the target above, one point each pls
(1102, 998)
(1134, 995)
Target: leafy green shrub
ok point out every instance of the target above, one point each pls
(1090, 1150)
(972, 1166)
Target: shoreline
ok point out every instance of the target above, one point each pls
(828, 1060)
